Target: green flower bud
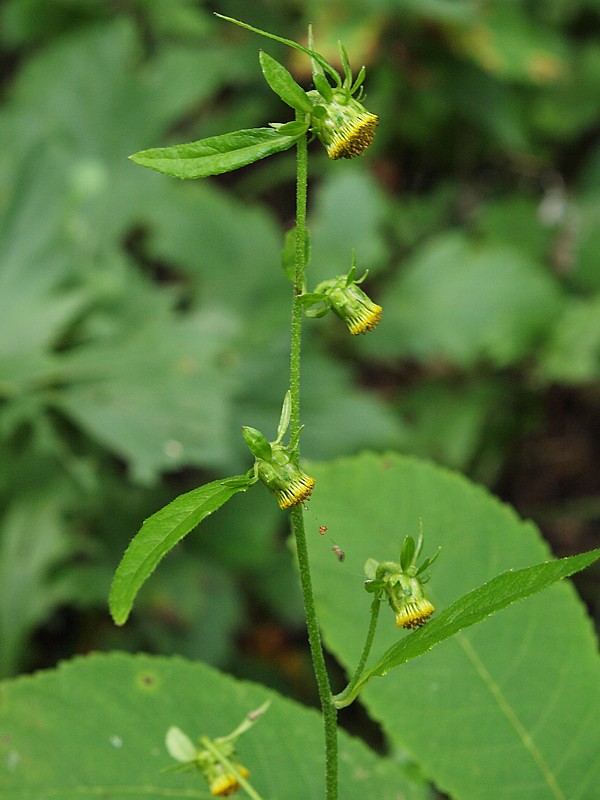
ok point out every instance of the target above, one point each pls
(257, 442)
(342, 124)
(351, 304)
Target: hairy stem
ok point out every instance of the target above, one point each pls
(346, 697)
(297, 518)
(314, 637)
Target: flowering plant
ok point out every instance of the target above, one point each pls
(331, 113)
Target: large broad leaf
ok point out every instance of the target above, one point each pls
(161, 532)
(49, 749)
(525, 683)
(217, 154)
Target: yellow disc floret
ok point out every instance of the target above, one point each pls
(227, 783)
(414, 613)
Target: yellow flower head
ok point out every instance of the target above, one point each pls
(414, 613)
(290, 485)
(346, 299)
(226, 783)
(343, 125)
(402, 584)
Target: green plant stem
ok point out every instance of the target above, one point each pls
(348, 695)
(297, 518)
(314, 638)
(300, 267)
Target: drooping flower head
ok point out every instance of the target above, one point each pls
(342, 124)
(401, 584)
(274, 464)
(222, 783)
(290, 484)
(344, 297)
(329, 111)
(215, 759)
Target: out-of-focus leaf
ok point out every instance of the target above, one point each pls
(507, 44)
(583, 241)
(159, 396)
(572, 354)
(192, 608)
(570, 106)
(464, 302)
(232, 266)
(520, 221)
(349, 213)
(37, 299)
(456, 424)
(93, 93)
(33, 541)
(130, 702)
(340, 417)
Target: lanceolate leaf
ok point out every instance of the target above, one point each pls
(282, 83)
(215, 155)
(161, 532)
(475, 606)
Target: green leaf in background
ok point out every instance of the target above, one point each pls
(334, 234)
(459, 424)
(161, 532)
(157, 394)
(525, 683)
(572, 353)
(117, 749)
(33, 542)
(282, 83)
(464, 301)
(215, 155)
(505, 42)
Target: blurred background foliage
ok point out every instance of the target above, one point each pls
(144, 320)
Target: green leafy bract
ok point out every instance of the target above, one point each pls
(282, 83)
(217, 154)
(161, 532)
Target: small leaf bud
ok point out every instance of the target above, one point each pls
(258, 444)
